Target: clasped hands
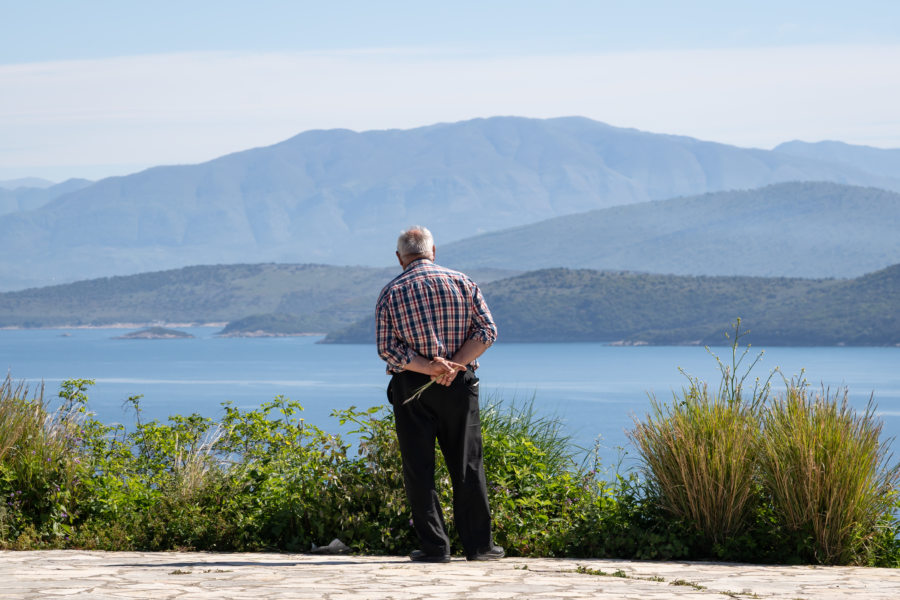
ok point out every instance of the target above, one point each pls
(444, 371)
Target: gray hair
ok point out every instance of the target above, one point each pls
(414, 241)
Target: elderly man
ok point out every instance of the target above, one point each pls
(431, 323)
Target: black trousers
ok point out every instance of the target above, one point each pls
(450, 415)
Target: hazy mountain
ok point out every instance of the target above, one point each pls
(29, 198)
(878, 161)
(25, 182)
(340, 197)
(789, 229)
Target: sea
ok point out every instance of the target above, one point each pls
(595, 390)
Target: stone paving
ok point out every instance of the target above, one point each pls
(189, 575)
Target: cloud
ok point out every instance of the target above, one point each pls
(190, 107)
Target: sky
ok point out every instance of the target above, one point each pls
(94, 88)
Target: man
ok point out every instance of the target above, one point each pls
(431, 324)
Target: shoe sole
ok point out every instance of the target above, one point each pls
(431, 559)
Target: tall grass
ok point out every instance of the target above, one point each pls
(39, 460)
(699, 457)
(827, 471)
(520, 422)
(802, 470)
(699, 453)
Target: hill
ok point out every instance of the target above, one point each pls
(340, 197)
(789, 229)
(552, 305)
(321, 297)
(563, 305)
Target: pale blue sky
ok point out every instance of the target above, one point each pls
(93, 88)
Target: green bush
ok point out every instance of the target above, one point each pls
(264, 479)
(699, 453)
(792, 478)
(41, 463)
(825, 470)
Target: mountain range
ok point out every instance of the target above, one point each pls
(25, 182)
(340, 197)
(33, 194)
(878, 161)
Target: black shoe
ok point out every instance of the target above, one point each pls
(420, 556)
(492, 553)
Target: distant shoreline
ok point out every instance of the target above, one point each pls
(260, 333)
(121, 326)
(217, 325)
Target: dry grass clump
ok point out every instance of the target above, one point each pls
(805, 463)
(699, 457)
(700, 452)
(826, 471)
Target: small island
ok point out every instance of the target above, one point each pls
(155, 333)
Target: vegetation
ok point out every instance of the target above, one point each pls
(799, 476)
(827, 472)
(638, 308)
(600, 306)
(319, 297)
(700, 452)
(202, 294)
(730, 475)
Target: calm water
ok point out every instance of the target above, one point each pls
(595, 389)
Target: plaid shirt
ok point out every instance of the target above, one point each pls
(430, 311)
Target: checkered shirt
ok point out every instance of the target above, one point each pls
(430, 311)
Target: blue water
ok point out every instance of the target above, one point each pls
(595, 389)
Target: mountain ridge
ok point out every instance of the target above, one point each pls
(340, 197)
(789, 229)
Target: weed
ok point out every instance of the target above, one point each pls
(692, 584)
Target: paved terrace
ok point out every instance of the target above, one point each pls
(189, 575)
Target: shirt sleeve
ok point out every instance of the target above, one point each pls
(483, 327)
(392, 350)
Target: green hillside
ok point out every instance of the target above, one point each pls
(551, 305)
(319, 297)
(563, 305)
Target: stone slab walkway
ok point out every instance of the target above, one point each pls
(188, 575)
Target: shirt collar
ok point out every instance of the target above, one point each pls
(416, 262)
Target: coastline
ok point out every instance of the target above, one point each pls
(122, 326)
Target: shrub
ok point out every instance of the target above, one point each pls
(699, 453)
(798, 478)
(535, 488)
(826, 472)
(265, 479)
(40, 462)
